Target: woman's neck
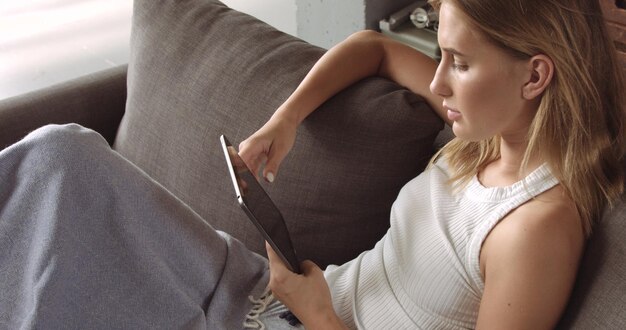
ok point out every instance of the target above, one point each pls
(507, 169)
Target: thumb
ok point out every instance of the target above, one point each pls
(308, 267)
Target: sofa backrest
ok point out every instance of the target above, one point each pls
(599, 297)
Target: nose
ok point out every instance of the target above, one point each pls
(439, 85)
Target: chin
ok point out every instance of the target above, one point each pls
(462, 133)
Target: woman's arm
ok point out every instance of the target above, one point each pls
(529, 262)
(364, 54)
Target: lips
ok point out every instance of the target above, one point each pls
(452, 114)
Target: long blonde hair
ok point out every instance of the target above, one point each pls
(578, 128)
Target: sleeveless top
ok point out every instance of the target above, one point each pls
(425, 272)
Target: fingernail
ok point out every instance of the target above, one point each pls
(270, 177)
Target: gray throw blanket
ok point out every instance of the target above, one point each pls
(89, 241)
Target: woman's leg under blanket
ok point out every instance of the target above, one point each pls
(87, 240)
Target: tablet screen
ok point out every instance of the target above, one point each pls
(257, 204)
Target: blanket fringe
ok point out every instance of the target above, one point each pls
(259, 306)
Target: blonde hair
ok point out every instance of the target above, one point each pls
(578, 128)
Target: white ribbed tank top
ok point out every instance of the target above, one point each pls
(425, 272)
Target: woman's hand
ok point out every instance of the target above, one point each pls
(269, 145)
(306, 295)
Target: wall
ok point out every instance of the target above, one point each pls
(321, 22)
(326, 22)
(281, 14)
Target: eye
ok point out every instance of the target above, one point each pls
(459, 67)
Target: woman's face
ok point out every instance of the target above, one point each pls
(481, 85)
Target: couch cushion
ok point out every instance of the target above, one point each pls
(599, 297)
(199, 69)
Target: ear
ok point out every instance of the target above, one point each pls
(541, 72)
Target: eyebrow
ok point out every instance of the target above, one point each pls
(453, 51)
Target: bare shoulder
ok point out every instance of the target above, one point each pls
(550, 219)
(550, 215)
(529, 263)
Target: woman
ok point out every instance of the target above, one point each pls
(532, 92)
(489, 236)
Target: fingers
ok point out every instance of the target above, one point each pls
(307, 295)
(280, 276)
(308, 267)
(271, 255)
(256, 157)
(274, 158)
(274, 259)
(252, 154)
(268, 147)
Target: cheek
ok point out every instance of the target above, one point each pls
(491, 95)
(472, 94)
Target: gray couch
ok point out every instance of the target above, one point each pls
(199, 69)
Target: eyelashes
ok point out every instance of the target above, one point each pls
(459, 67)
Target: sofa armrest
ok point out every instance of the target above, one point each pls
(96, 101)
